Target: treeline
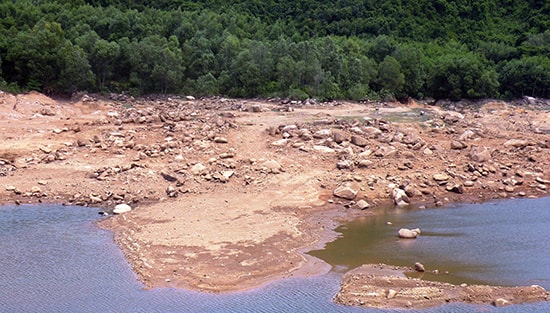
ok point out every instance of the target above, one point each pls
(323, 49)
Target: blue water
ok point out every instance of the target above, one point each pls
(55, 259)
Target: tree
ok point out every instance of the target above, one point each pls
(155, 64)
(390, 77)
(411, 64)
(43, 59)
(457, 76)
(75, 72)
(528, 76)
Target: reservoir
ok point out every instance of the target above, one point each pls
(55, 259)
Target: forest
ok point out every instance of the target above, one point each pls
(338, 49)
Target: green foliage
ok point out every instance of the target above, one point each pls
(325, 49)
(528, 76)
(458, 76)
(390, 78)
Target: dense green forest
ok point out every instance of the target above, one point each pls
(337, 49)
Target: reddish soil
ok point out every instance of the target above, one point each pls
(228, 194)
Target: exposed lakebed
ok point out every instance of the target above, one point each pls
(54, 259)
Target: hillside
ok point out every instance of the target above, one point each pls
(347, 49)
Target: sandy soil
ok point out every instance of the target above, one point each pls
(228, 194)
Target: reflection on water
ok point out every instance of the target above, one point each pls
(54, 259)
(501, 243)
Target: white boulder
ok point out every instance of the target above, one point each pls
(122, 208)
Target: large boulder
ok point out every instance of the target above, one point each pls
(122, 208)
(359, 141)
(480, 154)
(198, 169)
(345, 192)
(362, 204)
(419, 267)
(408, 233)
(272, 166)
(400, 197)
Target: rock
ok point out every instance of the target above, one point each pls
(427, 151)
(45, 149)
(324, 149)
(516, 143)
(323, 133)
(198, 169)
(372, 132)
(456, 188)
(344, 164)
(121, 208)
(385, 152)
(339, 136)
(480, 154)
(171, 192)
(189, 98)
(452, 117)
(220, 140)
(400, 198)
(280, 142)
(441, 177)
(501, 302)
(168, 177)
(542, 180)
(468, 183)
(458, 145)
(391, 294)
(362, 204)
(364, 163)
(272, 166)
(36, 189)
(227, 174)
(289, 128)
(359, 141)
(227, 155)
(466, 135)
(81, 142)
(345, 192)
(411, 191)
(419, 267)
(406, 233)
(95, 199)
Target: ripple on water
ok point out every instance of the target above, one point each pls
(54, 259)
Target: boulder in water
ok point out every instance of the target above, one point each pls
(408, 233)
(419, 267)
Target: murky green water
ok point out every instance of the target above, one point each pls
(504, 242)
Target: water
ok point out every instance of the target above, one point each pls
(54, 259)
(497, 243)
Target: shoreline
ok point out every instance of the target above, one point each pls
(229, 194)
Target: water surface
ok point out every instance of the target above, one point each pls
(497, 243)
(55, 259)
